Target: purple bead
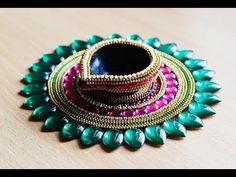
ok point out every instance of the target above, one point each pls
(172, 83)
(126, 113)
(171, 90)
(110, 113)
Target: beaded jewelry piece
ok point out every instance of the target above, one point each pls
(120, 90)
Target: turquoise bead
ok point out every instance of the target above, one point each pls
(55, 122)
(94, 39)
(174, 128)
(134, 138)
(51, 58)
(168, 48)
(72, 130)
(135, 37)
(207, 86)
(35, 100)
(78, 45)
(91, 136)
(203, 74)
(189, 120)
(155, 134)
(36, 77)
(194, 64)
(112, 139)
(200, 109)
(206, 98)
(182, 55)
(32, 89)
(42, 66)
(43, 112)
(63, 51)
(114, 36)
(153, 42)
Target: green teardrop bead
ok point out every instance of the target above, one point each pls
(200, 109)
(72, 130)
(134, 138)
(174, 128)
(203, 74)
(182, 55)
(51, 58)
(168, 48)
(193, 64)
(91, 136)
(189, 120)
(41, 66)
(78, 45)
(206, 98)
(35, 100)
(63, 50)
(32, 89)
(155, 134)
(94, 39)
(114, 36)
(153, 42)
(112, 139)
(207, 86)
(43, 112)
(134, 37)
(36, 77)
(55, 122)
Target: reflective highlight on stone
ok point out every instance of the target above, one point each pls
(94, 39)
(135, 37)
(155, 134)
(91, 136)
(72, 130)
(112, 139)
(168, 48)
(206, 98)
(41, 66)
(55, 122)
(52, 58)
(43, 112)
(32, 89)
(194, 64)
(183, 55)
(134, 138)
(35, 101)
(174, 128)
(200, 109)
(207, 86)
(36, 77)
(189, 120)
(63, 51)
(114, 36)
(203, 74)
(153, 42)
(78, 45)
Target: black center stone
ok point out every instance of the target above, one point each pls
(119, 59)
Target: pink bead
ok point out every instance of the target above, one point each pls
(139, 111)
(152, 107)
(171, 90)
(77, 67)
(165, 70)
(71, 72)
(69, 79)
(110, 113)
(161, 103)
(169, 97)
(163, 65)
(70, 92)
(172, 83)
(68, 86)
(74, 99)
(126, 113)
(170, 76)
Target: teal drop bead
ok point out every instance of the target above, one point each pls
(63, 51)
(182, 55)
(135, 37)
(51, 58)
(114, 36)
(72, 130)
(42, 66)
(55, 122)
(112, 139)
(36, 77)
(207, 86)
(35, 100)
(194, 64)
(93, 40)
(200, 109)
(91, 136)
(155, 134)
(134, 138)
(174, 128)
(189, 120)
(153, 42)
(43, 112)
(203, 74)
(32, 89)
(168, 48)
(206, 98)
(78, 45)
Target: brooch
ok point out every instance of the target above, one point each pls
(120, 90)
